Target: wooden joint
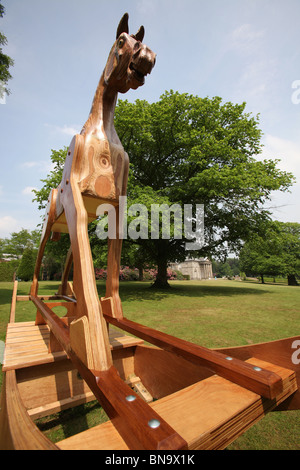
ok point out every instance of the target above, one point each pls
(108, 306)
(81, 341)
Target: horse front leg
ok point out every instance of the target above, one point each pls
(46, 233)
(113, 274)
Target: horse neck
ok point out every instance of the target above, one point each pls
(101, 118)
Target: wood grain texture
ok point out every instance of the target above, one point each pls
(216, 412)
(17, 430)
(263, 382)
(279, 352)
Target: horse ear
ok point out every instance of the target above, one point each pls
(139, 36)
(123, 26)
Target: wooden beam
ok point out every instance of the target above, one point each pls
(262, 382)
(56, 324)
(13, 303)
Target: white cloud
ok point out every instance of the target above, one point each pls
(42, 166)
(7, 225)
(66, 130)
(284, 206)
(245, 39)
(257, 78)
(28, 190)
(287, 151)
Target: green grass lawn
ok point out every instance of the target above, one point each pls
(211, 313)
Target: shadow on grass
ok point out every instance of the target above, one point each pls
(142, 291)
(133, 291)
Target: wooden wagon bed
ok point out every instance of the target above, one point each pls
(216, 410)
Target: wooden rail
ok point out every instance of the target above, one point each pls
(263, 382)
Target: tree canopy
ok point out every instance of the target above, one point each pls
(276, 253)
(193, 150)
(5, 61)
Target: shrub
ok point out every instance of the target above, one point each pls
(100, 274)
(128, 274)
(7, 270)
(27, 265)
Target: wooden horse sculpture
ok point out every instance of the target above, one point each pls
(95, 172)
(204, 398)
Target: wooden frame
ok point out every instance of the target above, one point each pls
(115, 367)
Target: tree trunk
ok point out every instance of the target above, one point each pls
(292, 281)
(262, 279)
(161, 281)
(141, 273)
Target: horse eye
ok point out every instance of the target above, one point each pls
(121, 42)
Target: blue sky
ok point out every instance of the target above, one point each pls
(241, 50)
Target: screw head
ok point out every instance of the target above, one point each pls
(229, 358)
(258, 369)
(130, 398)
(154, 423)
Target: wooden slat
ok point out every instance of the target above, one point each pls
(263, 382)
(208, 415)
(27, 344)
(55, 407)
(13, 302)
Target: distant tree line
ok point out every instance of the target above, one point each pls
(276, 254)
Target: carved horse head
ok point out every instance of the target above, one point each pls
(129, 60)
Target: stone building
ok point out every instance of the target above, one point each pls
(197, 269)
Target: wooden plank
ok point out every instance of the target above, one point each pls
(34, 360)
(25, 298)
(60, 405)
(209, 414)
(262, 382)
(18, 432)
(278, 352)
(13, 302)
(27, 344)
(102, 437)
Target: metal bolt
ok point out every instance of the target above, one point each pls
(229, 358)
(154, 423)
(130, 398)
(258, 369)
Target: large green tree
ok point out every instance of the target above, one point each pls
(5, 62)
(192, 150)
(19, 241)
(275, 253)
